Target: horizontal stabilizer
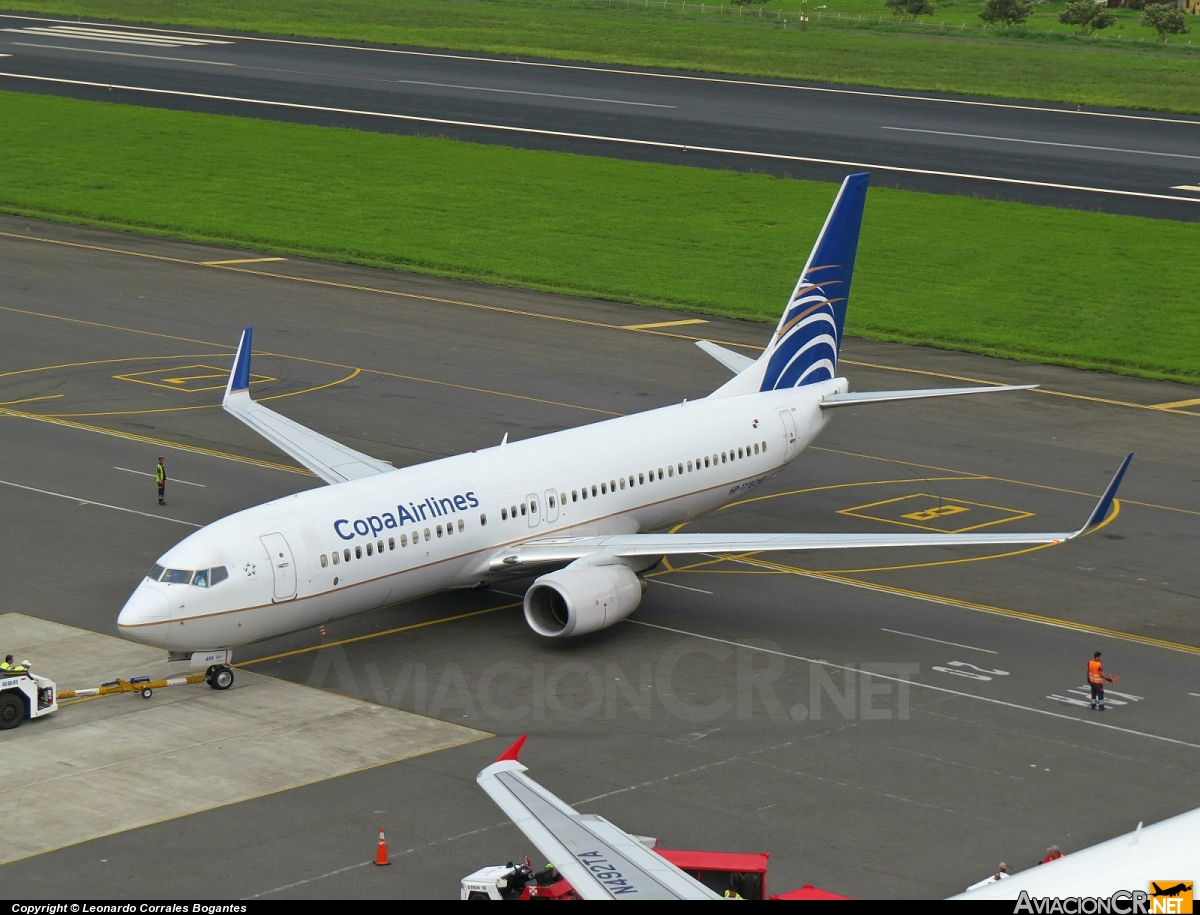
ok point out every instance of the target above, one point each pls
(855, 399)
(735, 362)
(551, 551)
(332, 461)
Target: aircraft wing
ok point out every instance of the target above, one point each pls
(598, 859)
(332, 461)
(1135, 861)
(629, 546)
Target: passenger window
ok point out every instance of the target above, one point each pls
(642, 479)
(370, 550)
(739, 452)
(722, 457)
(622, 482)
(379, 546)
(439, 530)
(522, 509)
(513, 511)
(756, 447)
(585, 493)
(612, 485)
(155, 572)
(574, 495)
(660, 475)
(461, 525)
(552, 501)
(483, 520)
(217, 575)
(504, 514)
(532, 506)
(347, 554)
(670, 471)
(201, 578)
(336, 557)
(358, 552)
(593, 489)
(764, 444)
(679, 467)
(449, 528)
(391, 543)
(427, 537)
(631, 481)
(689, 466)
(603, 489)
(403, 541)
(324, 560)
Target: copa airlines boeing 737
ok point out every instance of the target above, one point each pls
(573, 505)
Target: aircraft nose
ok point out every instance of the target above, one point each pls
(145, 606)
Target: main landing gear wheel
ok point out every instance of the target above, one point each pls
(219, 677)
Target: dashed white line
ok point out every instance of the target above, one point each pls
(625, 141)
(131, 511)
(179, 60)
(982, 136)
(142, 473)
(919, 684)
(574, 98)
(912, 635)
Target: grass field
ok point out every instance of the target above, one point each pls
(1098, 71)
(1113, 292)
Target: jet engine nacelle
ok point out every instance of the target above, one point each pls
(581, 599)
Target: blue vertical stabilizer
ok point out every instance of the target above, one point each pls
(805, 347)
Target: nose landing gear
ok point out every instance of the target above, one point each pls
(219, 676)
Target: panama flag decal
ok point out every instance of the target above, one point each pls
(756, 424)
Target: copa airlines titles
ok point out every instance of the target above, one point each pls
(414, 512)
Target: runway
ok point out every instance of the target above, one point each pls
(888, 725)
(1142, 163)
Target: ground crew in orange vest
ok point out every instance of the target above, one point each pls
(1096, 678)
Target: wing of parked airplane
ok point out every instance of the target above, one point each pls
(1129, 862)
(332, 461)
(629, 546)
(598, 859)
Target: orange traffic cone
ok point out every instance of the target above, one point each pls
(381, 856)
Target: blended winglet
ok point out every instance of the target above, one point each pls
(514, 752)
(239, 377)
(1100, 512)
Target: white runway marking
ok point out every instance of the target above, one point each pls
(575, 98)
(131, 511)
(920, 685)
(142, 473)
(648, 74)
(626, 141)
(981, 136)
(85, 33)
(179, 60)
(671, 584)
(939, 641)
(1186, 187)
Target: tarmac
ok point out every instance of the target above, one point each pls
(888, 725)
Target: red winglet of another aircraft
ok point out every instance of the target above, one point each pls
(514, 751)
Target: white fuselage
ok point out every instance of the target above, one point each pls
(439, 525)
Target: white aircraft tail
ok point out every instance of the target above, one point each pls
(804, 348)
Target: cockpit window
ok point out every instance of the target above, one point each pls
(205, 578)
(155, 572)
